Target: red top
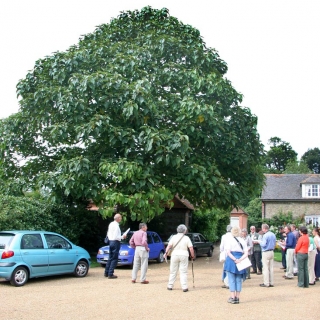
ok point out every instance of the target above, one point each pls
(302, 244)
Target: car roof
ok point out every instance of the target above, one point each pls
(26, 231)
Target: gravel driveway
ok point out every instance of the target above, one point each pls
(96, 297)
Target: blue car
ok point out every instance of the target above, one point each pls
(126, 253)
(30, 254)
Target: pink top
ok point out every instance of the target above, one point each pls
(139, 238)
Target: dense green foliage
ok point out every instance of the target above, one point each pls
(312, 159)
(297, 167)
(137, 111)
(278, 156)
(29, 213)
(254, 211)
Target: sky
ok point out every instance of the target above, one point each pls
(272, 48)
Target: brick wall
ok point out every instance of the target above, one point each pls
(297, 208)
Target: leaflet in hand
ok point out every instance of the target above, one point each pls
(125, 233)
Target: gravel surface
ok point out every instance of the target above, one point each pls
(97, 297)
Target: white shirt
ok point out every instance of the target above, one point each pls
(114, 232)
(181, 249)
(233, 245)
(224, 240)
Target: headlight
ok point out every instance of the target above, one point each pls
(124, 253)
(100, 251)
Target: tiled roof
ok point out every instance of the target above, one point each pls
(286, 186)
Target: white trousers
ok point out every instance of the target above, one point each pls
(289, 261)
(267, 267)
(181, 263)
(141, 256)
(311, 262)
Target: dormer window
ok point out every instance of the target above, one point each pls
(311, 191)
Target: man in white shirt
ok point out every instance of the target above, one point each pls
(114, 235)
(224, 240)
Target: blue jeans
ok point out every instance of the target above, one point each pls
(235, 282)
(114, 248)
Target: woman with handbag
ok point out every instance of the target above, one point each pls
(178, 247)
(237, 251)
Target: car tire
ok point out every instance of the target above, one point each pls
(19, 277)
(81, 269)
(210, 252)
(160, 258)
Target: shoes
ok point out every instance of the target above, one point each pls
(225, 287)
(145, 282)
(185, 290)
(230, 300)
(287, 278)
(271, 285)
(133, 281)
(259, 272)
(253, 271)
(169, 288)
(248, 278)
(112, 277)
(285, 270)
(264, 286)
(311, 284)
(235, 301)
(282, 268)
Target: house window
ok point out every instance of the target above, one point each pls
(313, 220)
(312, 191)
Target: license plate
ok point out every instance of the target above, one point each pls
(105, 258)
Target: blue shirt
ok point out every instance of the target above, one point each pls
(268, 241)
(291, 241)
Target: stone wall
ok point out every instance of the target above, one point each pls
(297, 208)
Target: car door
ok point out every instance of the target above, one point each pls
(34, 254)
(157, 245)
(61, 254)
(199, 244)
(204, 244)
(151, 246)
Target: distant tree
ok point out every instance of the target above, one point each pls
(294, 166)
(254, 211)
(312, 159)
(279, 155)
(137, 111)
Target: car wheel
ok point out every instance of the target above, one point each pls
(81, 269)
(19, 277)
(160, 258)
(210, 252)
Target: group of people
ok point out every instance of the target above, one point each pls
(237, 245)
(180, 248)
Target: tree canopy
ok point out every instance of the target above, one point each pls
(312, 159)
(136, 112)
(280, 153)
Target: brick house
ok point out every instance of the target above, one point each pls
(296, 193)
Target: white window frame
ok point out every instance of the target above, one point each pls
(313, 220)
(311, 190)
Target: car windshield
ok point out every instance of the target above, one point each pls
(127, 239)
(5, 239)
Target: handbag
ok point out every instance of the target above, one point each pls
(106, 240)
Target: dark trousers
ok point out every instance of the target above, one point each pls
(284, 261)
(303, 274)
(256, 261)
(114, 248)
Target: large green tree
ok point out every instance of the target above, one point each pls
(280, 153)
(312, 159)
(137, 111)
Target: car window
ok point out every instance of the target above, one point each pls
(156, 238)
(31, 241)
(149, 238)
(190, 236)
(202, 239)
(5, 239)
(56, 242)
(196, 238)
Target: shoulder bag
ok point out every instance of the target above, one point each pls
(245, 263)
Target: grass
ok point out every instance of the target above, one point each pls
(94, 263)
(277, 256)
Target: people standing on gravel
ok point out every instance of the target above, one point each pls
(236, 251)
(179, 245)
(140, 243)
(301, 251)
(312, 252)
(256, 254)
(268, 244)
(224, 240)
(290, 244)
(248, 240)
(316, 235)
(114, 235)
